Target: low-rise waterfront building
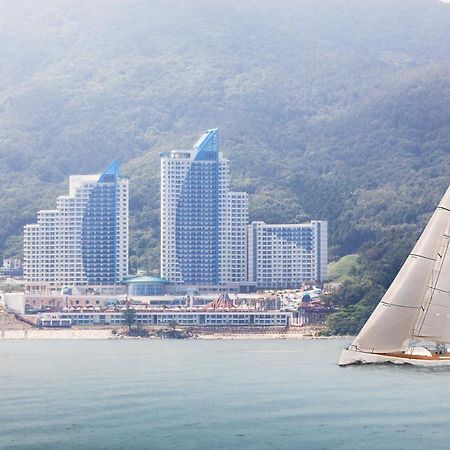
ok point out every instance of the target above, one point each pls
(53, 320)
(32, 303)
(269, 309)
(146, 286)
(182, 317)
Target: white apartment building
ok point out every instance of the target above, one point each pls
(203, 223)
(84, 241)
(286, 255)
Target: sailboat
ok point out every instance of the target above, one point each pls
(411, 324)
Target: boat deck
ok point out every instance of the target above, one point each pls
(433, 357)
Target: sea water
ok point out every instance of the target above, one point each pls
(249, 394)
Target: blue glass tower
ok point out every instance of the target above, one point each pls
(202, 221)
(99, 229)
(197, 218)
(84, 241)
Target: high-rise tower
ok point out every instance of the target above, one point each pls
(203, 223)
(84, 241)
(286, 255)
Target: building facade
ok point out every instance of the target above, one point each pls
(11, 267)
(286, 255)
(84, 241)
(145, 286)
(203, 223)
(236, 318)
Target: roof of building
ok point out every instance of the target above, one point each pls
(146, 279)
(207, 146)
(111, 171)
(222, 302)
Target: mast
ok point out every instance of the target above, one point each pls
(392, 324)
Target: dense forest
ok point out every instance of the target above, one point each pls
(334, 110)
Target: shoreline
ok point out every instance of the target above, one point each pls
(303, 333)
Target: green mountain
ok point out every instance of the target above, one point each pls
(333, 110)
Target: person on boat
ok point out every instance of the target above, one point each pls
(441, 349)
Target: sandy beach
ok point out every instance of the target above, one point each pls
(111, 333)
(35, 333)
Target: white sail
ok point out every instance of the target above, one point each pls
(391, 325)
(434, 321)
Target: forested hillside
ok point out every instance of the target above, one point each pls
(336, 110)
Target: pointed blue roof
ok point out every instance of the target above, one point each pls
(207, 147)
(111, 172)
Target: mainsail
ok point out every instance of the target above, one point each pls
(392, 324)
(434, 320)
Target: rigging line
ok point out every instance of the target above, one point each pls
(433, 290)
(427, 308)
(431, 338)
(439, 290)
(422, 256)
(428, 304)
(440, 306)
(401, 306)
(442, 207)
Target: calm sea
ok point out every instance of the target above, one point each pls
(214, 395)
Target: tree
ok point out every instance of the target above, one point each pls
(129, 317)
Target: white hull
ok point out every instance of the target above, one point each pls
(354, 357)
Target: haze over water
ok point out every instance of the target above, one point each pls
(213, 395)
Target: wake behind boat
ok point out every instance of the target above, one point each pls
(411, 324)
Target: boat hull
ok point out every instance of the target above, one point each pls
(353, 357)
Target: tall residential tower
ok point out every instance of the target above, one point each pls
(286, 255)
(84, 241)
(203, 223)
